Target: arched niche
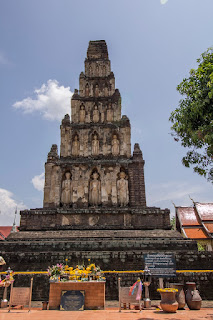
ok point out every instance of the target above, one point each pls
(87, 90)
(75, 144)
(95, 144)
(66, 188)
(96, 90)
(122, 188)
(94, 188)
(97, 70)
(109, 113)
(90, 70)
(95, 113)
(115, 144)
(106, 90)
(82, 113)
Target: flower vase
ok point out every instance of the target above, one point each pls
(193, 298)
(180, 295)
(168, 302)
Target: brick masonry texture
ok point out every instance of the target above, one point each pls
(94, 294)
(184, 261)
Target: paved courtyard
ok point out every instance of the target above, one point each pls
(205, 313)
(110, 313)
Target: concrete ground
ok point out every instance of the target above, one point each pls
(111, 312)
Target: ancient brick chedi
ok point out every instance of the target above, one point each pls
(94, 195)
(96, 182)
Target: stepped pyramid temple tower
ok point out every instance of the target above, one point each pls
(95, 183)
(94, 195)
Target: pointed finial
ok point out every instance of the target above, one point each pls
(173, 204)
(14, 222)
(191, 199)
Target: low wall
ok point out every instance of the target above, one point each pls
(204, 281)
(31, 256)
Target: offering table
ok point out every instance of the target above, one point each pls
(94, 293)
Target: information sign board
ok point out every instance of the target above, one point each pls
(72, 300)
(21, 296)
(161, 264)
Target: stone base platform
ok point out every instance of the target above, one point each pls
(95, 218)
(112, 250)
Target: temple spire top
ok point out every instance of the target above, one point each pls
(97, 50)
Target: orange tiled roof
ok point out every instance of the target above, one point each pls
(5, 231)
(209, 227)
(205, 210)
(195, 233)
(187, 216)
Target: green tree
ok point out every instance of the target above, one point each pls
(200, 247)
(173, 223)
(193, 119)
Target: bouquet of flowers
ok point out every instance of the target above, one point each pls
(83, 273)
(80, 273)
(56, 271)
(8, 279)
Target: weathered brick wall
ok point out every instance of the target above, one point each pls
(106, 218)
(116, 254)
(204, 281)
(20, 261)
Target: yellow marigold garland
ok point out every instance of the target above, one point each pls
(167, 290)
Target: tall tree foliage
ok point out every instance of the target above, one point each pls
(193, 119)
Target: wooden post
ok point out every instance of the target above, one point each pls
(31, 288)
(5, 293)
(11, 294)
(140, 305)
(119, 285)
(161, 283)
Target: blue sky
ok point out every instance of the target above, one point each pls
(152, 46)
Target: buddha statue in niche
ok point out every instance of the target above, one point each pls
(106, 91)
(97, 70)
(75, 146)
(109, 113)
(122, 189)
(87, 90)
(95, 190)
(66, 194)
(96, 90)
(115, 145)
(82, 114)
(95, 145)
(95, 116)
(90, 70)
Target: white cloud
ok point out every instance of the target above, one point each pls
(51, 100)
(172, 191)
(8, 206)
(163, 1)
(38, 182)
